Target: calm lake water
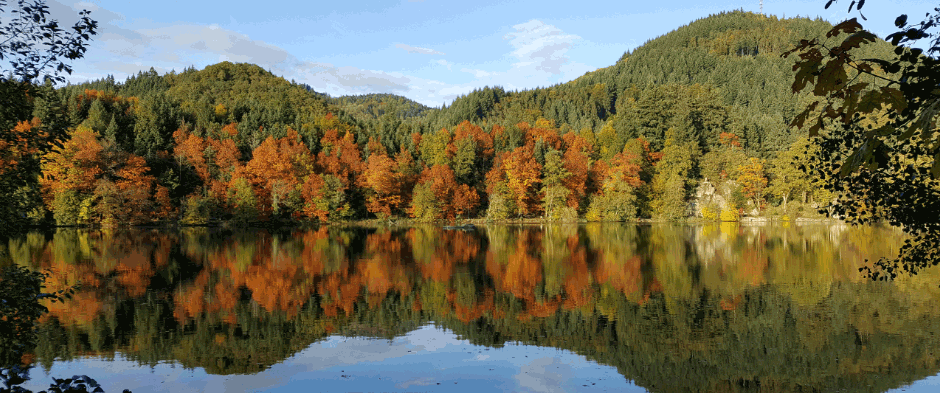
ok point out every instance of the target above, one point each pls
(603, 307)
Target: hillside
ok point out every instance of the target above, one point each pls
(734, 57)
(708, 101)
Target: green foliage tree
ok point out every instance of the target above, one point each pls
(788, 179)
(157, 119)
(424, 205)
(554, 192)
(97, 119)
(616, 202)
(243, 201)
(674, 179)
(465, 160)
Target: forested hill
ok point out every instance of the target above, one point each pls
(708, 101)
(724, 71)
(256, 101)
(374, 106)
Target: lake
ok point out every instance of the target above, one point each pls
(542, 308)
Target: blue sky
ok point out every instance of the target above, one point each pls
(430, 51)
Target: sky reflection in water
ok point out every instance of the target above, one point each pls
(427, 359)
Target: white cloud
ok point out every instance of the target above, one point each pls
(417, 382)
(99, 14)
(416, 49)
(478, 73)
(335, 80)
(444, 63)
(540, 46)
(544, 375)
(211, 41)
(539, 51)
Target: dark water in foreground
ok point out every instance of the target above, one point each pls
(601, 307)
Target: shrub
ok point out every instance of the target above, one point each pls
(710, 213)
(66, 208)
(729, 215)
(197, 211)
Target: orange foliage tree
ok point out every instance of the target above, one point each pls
(213, 160)
(340, 157)
(82, 182)
(383, 185)
(753, 180)
(18, 145)
(515, 178)
(276, 171)
(339, 164)
(577, 161)
(543, 130)
(451, 198)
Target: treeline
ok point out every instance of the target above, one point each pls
(693, 123)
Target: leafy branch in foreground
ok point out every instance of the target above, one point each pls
(32, 42)
(875, 120)
(21, 296)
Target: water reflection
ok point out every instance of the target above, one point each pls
(696, 308)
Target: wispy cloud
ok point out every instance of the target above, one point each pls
(184, 41)
(544, 375)
(444, 63)
(349, 80)
(539, 51)
(540, 46)
(416, 49)
(478, 73)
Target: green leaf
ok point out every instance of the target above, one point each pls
(850, 26)
(857, 39)
(863, 156)
(923, 122)
(832, 77)
(895, 98)
(800, 119)
(935, 170)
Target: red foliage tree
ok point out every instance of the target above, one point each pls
(454, 199)
(277, 168)
(340, 156)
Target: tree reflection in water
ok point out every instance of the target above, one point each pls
(698, 308)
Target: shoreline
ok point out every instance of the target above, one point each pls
(408, 222)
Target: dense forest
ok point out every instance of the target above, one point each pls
(719, 307)
(691, 124)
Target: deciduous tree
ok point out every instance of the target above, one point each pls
(753, 181)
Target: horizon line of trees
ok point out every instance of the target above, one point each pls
(105, 175)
